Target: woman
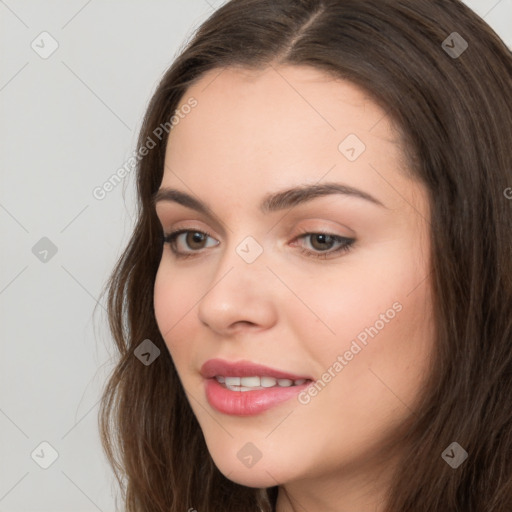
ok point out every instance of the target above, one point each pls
(263, 370)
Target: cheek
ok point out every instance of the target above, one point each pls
(380, 322)
(173, 298)
(372, 389)
(387, 352)
(372, 298)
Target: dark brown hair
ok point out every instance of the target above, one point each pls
(455, 116)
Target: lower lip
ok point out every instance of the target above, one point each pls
(247, 403)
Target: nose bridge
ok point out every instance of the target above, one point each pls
(240, 288)
(244, 258)
(244, 243)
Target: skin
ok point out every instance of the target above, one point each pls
(257, 132)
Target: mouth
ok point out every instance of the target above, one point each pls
(241, 400)
(245, 388)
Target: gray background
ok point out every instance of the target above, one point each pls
(67, 123)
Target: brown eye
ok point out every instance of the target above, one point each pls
(322, 244)
(319, 241)
(193, 240)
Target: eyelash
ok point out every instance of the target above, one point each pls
(346, 247)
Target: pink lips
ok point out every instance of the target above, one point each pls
(245, 403)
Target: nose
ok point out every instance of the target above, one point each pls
(240, 294)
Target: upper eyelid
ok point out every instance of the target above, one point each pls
(329, 230)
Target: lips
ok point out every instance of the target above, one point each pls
(242, 401)
(219, 367)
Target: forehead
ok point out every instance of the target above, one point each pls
(309, 93)
(276, 127)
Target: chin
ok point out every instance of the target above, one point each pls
(261, 474)
(250, 477)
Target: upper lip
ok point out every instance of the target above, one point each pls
(220, 367)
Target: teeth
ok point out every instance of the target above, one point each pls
(268, 382)
(251, 383)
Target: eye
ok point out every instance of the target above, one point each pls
(322, 239)
(195, 239)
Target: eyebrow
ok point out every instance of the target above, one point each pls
(272, 202)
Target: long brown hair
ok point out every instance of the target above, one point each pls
(454, 111)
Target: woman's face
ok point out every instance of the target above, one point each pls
(352, 317)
